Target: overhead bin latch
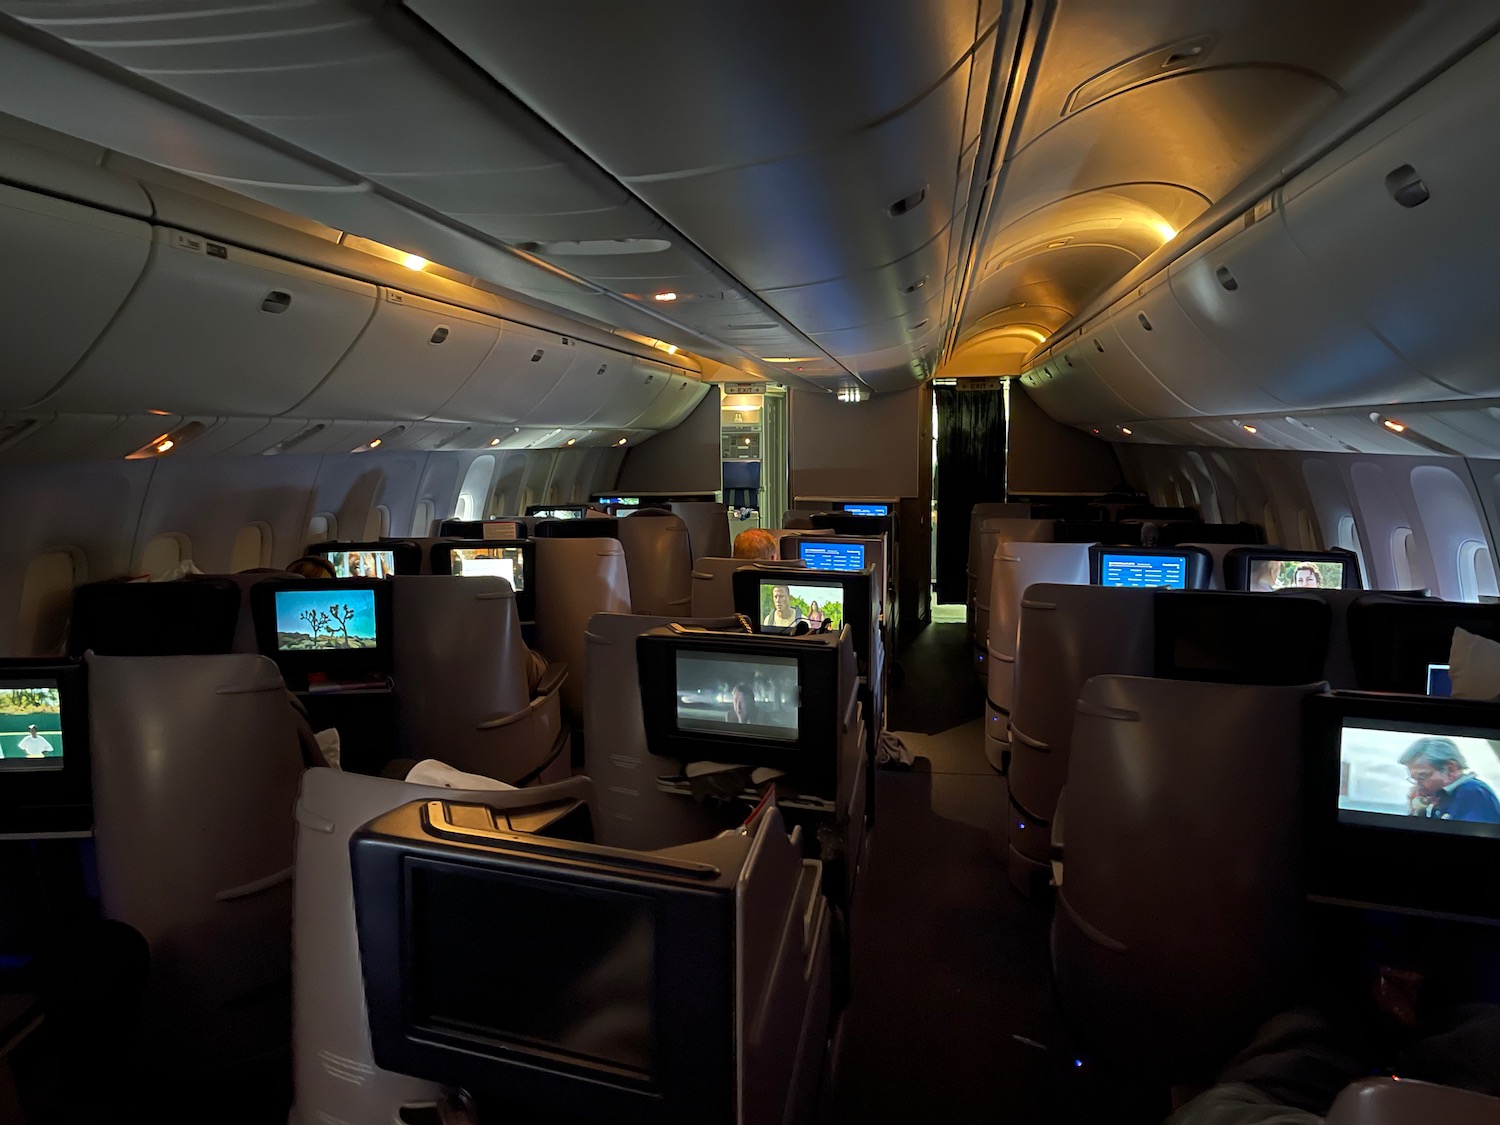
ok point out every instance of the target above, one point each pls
(276, 301)
(1406, 187)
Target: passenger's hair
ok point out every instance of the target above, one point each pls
(1436, 752)
(755, 543)
(312, 566)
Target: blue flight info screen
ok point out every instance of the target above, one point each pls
(1144, 570)
(832, 556)
(868, 509)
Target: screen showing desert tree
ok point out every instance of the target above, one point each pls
(325, 619)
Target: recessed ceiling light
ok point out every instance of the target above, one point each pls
(570, 441)
(374, 443)
(414, 262)
(164, 445)
(494, 441)
(1125, 430)
(666, 296)
(1394, 426)
(622, 441)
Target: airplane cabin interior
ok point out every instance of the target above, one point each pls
(450, 673)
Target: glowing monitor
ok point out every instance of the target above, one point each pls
(738, 695)
(831, 556)
(1439, 680)
(506, 562)
(868, 509)
(1294, 574)
(1415, 778)
(362, 564)
(786, 604)
(1128, 569)
(315, 620)
(31, 729)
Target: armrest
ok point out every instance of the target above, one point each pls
(552, 679)
(1390, 1101)
(1058, 844)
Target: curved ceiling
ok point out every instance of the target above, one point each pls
(836, 193)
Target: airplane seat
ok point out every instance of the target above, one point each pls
(336, 1078)
(993, 532)
(550, 528)
(1181, 533)
(244, 629)
(708, 527)
(795, 520)
(194, 616)
(1401, 1101)
(425, 543)
(576, 578)
(1216, 551)
(1017, 565)
(1241, 638)
(1394, 638)
(1177, 928)
(196, 763)
(1338, 669)
(1068, 634)
(633, 813)
(977, 515)
(659, 561)
(460, 672)
(713, 582)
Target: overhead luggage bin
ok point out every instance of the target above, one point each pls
(627, 385)
(1403, 230)
(673, 404)
(213, 328)
(1068, 387)
(66, 271)
(408, 334)
(520, 371)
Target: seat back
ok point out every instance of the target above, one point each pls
(336, 1078)
(1216, 551)
(1068, 635)
(713, 582)
(1240, 638)
(633, 812)
(977, 560)
(1393, 639)
(1402, 1101)
(1017, 566)
(460, 663)
(1177, 924)
(993, 532)
(575, 579)
(659, 561)
(194, 616)
(708, 527)
(195, 764)
(602, 527)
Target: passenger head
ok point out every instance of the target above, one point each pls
(755, 543)
(312, 566)
(1306, 575)
(741, 703)
(1432, 763)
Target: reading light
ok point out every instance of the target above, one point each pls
(1125, 430)
(570, 441)
(1249, 429)
(667, 296)
(164, 445)
(622, 441)
(494, 441)
(1394, 426)
(374, 443)
(413, 262)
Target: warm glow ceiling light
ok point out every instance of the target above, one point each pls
(784, 359)
(375, 443)
(164, 445)
(570, 441)
(666, 296)
(1249, 429)
(413, 262)
(1126, 430)
(1165, 229)
(1394, 426)
(494, 441)
(622, 441)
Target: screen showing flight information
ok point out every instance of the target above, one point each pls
(868, 509)
(1143, 570)
(832, 556)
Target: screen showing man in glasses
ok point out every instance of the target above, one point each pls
(1419, 780)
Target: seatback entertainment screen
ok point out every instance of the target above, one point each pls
(832, 556)
(1418, 778)
(325, 619)
(784, 605)
(362, 564)
(506, 562)
(1294, 574)
(31, 736)
(1132, 570)
(754, 696)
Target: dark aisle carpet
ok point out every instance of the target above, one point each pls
(951, 1018)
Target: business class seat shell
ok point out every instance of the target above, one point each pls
(659, 561)
(462, 694)
(196, 764)
(575, 579)
(1176, 930)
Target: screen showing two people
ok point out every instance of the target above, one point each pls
(325, 619)
(362, 564)
(783, 606)
(1289, 574)
(31, 726)
(1425, 780)
(752, 696)
(503, 561)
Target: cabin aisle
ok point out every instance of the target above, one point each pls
(952, 1008)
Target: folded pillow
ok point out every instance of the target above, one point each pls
(1474, 666)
